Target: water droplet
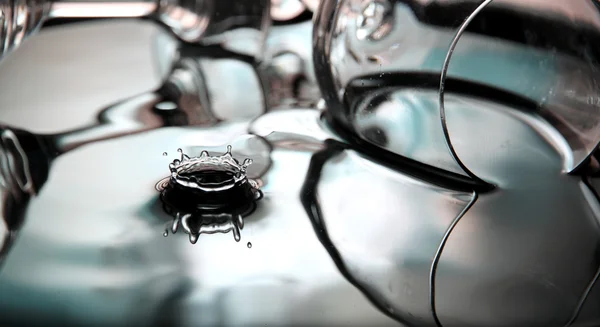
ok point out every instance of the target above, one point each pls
(236, 232)
(249, 245)
(240, 221)
(176, 222)
(164, 154)
(166, 233)
(209, 194)
(193, 238)
(180, 150)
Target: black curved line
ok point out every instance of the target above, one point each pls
(66, 21)
(584, 297)
(596, 277)
(411, 167)
(424, 80)
(308, 198)
(213, 51)
(438, 255)
(544, 30)
(443, 75)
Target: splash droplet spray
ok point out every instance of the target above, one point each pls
(209, 194)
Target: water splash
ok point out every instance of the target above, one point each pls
(208, 194)
(209, 174)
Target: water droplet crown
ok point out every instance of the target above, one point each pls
(209, 173)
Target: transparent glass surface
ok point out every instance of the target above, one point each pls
(539, 57)
(496, 98)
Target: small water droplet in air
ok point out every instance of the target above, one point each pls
(249, 245)
(166, 233)
(176, 222)
(193, 238)
(236, 232)
(164, 154)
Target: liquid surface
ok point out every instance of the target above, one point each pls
(318, 239)
(91, 251)
(114, 253)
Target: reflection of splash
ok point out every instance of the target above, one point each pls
(208, 224)
(208, 194)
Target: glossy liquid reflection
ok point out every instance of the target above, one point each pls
(95, 242)
(123, 219)
(521, 256)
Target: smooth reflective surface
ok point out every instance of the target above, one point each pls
(344, 234)
(125, 269)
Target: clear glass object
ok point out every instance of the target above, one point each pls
(238, 25)
(18, 19)
(539, 57)
(500, 94)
